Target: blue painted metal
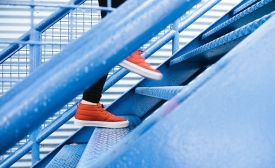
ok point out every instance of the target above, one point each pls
(197, 55)
(197, 14)
(239, 16)
(235, 131)
(68, 156)
(41, 27)
(242, 7)
(35, 147)
(35, 60)
(175, 41)
(165, 93)
(57, 80)
(35, 51)
(103, 139)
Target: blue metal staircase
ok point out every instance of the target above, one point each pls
(213, 108)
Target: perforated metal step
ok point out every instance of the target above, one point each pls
(216, 48)
(268, 4)
(165, 93)
(243, 6)
(67, 157)
(103, 139)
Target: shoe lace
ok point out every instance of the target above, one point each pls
(137, 56)
(102, 109)
(77, 103)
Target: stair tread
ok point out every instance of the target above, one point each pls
(244, 13)
(243, 6)
(103, 139)
(165, 92)
(206, 52)
(68, 156)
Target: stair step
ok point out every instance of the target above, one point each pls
(213, 50)
(165, 93)
(68, 156)
(244, 6)
(241, 15)
(103, 139)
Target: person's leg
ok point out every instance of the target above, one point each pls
(89, 111)
(93, 94)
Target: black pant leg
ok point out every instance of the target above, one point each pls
(93, 93)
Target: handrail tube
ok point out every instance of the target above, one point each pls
(56, 82)
(32, 42)
(41, 27)
(57, 6)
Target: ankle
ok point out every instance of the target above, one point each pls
(87, 102)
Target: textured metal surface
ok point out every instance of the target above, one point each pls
(237, 17)
(62, 73)
(227, 120)
(236, 34)
(104, 139)
(67, 157)
(243, 6)
(165, 93)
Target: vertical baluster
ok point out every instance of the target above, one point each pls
(175, 40)
(35, 60)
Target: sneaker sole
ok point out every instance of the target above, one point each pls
(141, 71)
(104, 124)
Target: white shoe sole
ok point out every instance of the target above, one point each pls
(121, 124)
(141, 71)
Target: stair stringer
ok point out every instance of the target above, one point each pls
(226, 121)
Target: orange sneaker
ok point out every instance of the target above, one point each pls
(95, 115)
(136, 63)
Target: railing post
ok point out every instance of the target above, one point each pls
(35, 50)
(35, 147)
(35, 61)
(175, 40)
